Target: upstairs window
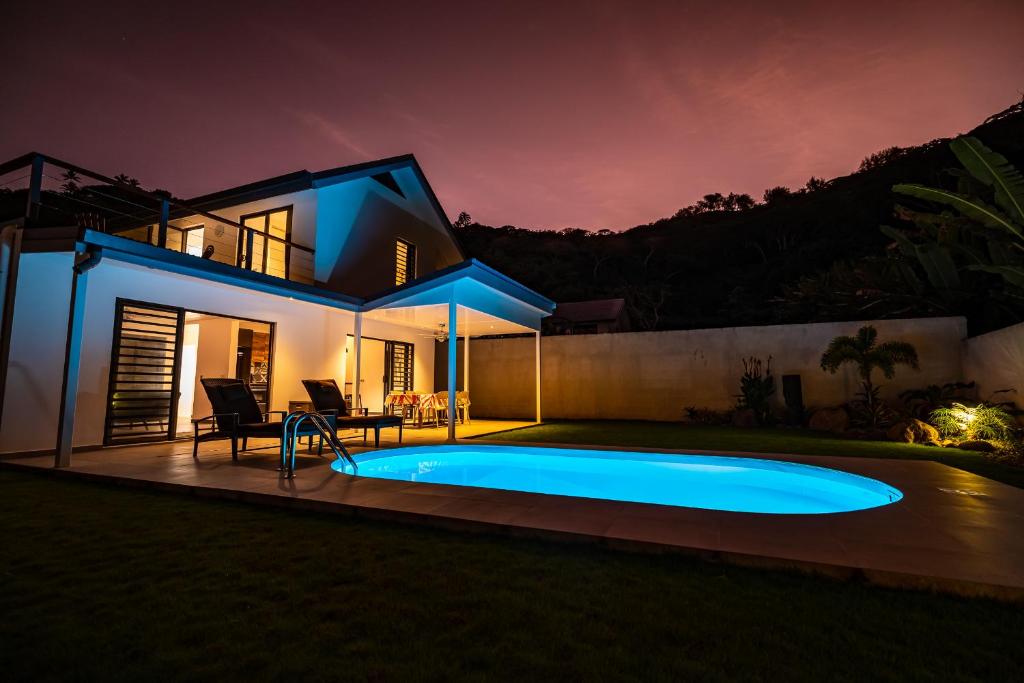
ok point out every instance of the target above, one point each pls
(265, 246)
(405, 262)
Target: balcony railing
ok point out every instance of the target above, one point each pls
(46, 192)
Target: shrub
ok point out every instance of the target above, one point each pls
(757, 386)
(921, 403)
(708, 416)
(988, 422)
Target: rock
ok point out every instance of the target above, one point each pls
(913, 431)
(830, 420)
(977, 445)
(933, 442)
(744, 417)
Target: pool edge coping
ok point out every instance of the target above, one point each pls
(880, 577)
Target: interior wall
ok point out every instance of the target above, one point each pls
(186, 376)
(216, 353)
(371, 376)
(655, 375)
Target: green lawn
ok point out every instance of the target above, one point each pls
(101, 583)
(781, 440)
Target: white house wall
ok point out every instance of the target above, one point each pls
(357, 225)
(38, 340)
(309, 341)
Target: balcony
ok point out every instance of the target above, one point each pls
(40, 191)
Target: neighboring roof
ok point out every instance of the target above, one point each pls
(590, 311)
(307, 180)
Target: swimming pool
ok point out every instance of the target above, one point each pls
(697, 481)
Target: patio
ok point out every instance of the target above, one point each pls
(953, 532)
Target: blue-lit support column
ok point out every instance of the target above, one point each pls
(537, 374)
(453, 363)
(357, 362)
(73, 357)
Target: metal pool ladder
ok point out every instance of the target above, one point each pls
(322, 427)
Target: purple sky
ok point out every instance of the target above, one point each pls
(547, 114)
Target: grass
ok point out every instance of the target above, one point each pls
(101, 583)
(799, 441)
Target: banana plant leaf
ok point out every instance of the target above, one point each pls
(938, 266)
(994, 170)
(968, 206)
(1012, 275)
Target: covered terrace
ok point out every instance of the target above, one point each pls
(466, 300)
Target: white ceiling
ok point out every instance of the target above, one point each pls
(430, 317)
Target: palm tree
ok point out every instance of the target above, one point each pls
(70, 184)
(863, 351)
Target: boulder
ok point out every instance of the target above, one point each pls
(977, 445)
(744, 417)
(830, 420)
(913, 431)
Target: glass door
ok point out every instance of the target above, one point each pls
(264, 245)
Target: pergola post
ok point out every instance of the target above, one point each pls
(453, 364)
(537, 373)
(465, 373)
(357, 352)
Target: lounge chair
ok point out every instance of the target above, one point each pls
(236, 415)
(327, 399)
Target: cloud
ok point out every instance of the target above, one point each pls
(330, 130)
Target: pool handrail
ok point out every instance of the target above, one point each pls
(326, 432)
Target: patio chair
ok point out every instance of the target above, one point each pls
(462, 404)
(327, 399)
(236, 415)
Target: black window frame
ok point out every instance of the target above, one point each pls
(289, 208)
(410, 261)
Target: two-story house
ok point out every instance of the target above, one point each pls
(116, 301)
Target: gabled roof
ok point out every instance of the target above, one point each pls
(307, 180)
(468, 269)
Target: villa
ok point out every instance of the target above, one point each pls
(117, 301)
(137, 328)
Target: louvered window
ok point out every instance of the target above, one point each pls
(142, 396)
(398, 359)
(405, 262)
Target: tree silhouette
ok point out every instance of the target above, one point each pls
(814, 184)
(774, 194)
(125, 179)
(70, 184)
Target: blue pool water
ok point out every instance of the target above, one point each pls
(698, 481)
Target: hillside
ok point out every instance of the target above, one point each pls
(800, 258)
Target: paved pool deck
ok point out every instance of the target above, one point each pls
(953, 531)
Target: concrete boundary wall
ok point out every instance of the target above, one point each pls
(654, 375)
(996, 361)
